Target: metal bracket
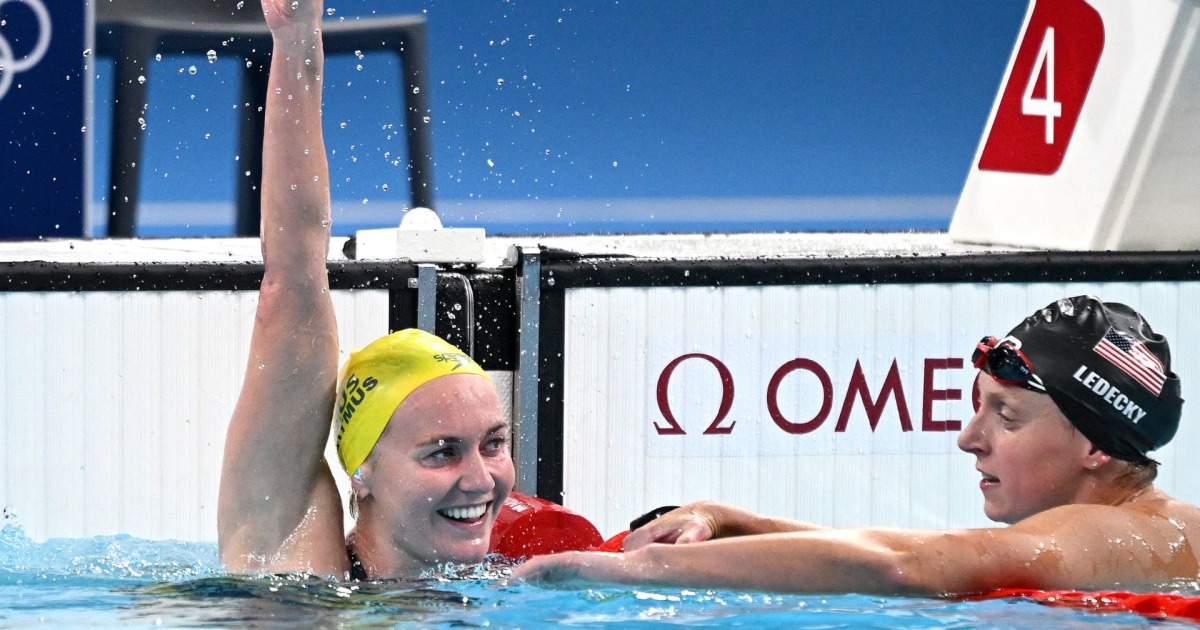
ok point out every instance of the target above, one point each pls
(525, 381)
(426, 285)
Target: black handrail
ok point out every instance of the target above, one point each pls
(133, 42)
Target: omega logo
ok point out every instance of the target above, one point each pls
(9, 64)
(857, 391)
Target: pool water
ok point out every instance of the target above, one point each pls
(121, 581)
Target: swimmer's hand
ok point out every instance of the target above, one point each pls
(706, 520)
(283, 14)
(689, 524)
(578, 568)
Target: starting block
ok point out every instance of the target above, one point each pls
(1094, 138)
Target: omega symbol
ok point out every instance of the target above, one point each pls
(10, 65)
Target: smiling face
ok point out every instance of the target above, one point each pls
(440, 472)
(1030, 456)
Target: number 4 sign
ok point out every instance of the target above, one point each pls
(1046, 88)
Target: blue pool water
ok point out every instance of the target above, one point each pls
(120, 581)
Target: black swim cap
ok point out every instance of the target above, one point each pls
(1107, 371)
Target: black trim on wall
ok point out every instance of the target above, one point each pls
(208, 276)
(495, 318)
(995, 267)
(550, 395)
(402, 307)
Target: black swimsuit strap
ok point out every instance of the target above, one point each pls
(357, 572)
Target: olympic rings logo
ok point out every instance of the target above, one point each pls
(10, 65)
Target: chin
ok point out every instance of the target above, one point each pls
(465, 550)
(459, 555)
(995, 514)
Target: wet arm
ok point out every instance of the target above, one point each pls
(279, 509)
(1073, 547)
(825, 561)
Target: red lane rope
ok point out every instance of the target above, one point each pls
(1154, 605)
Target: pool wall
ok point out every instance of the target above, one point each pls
(826, 384)
(837, 399)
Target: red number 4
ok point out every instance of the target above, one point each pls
(1046, 88)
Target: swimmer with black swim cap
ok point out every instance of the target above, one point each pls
(1071, 403)
(1104, 367)
(1106, 372)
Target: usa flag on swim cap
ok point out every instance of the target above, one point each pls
(1133, 358)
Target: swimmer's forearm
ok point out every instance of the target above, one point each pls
(295, 184)
(738, 522)
(791, 563)
(875, 561)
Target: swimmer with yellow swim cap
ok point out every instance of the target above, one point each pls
(420, 430)
(419, 425)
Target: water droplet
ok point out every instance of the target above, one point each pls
(500, 82)
(343, 125)
(212, 56)
(490, 163)
(330, 11)
(416, 90)
(87, 52)
(191, 69)
(385, 188)
(142, 79)
(158, 57)
(240, 4)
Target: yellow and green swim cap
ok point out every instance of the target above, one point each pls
(378, 377)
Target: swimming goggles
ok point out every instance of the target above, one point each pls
(1006, 364)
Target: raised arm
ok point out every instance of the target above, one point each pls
(279, 509)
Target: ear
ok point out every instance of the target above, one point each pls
(360, 482)
(1097, 459)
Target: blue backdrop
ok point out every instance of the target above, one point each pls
(621, 115)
